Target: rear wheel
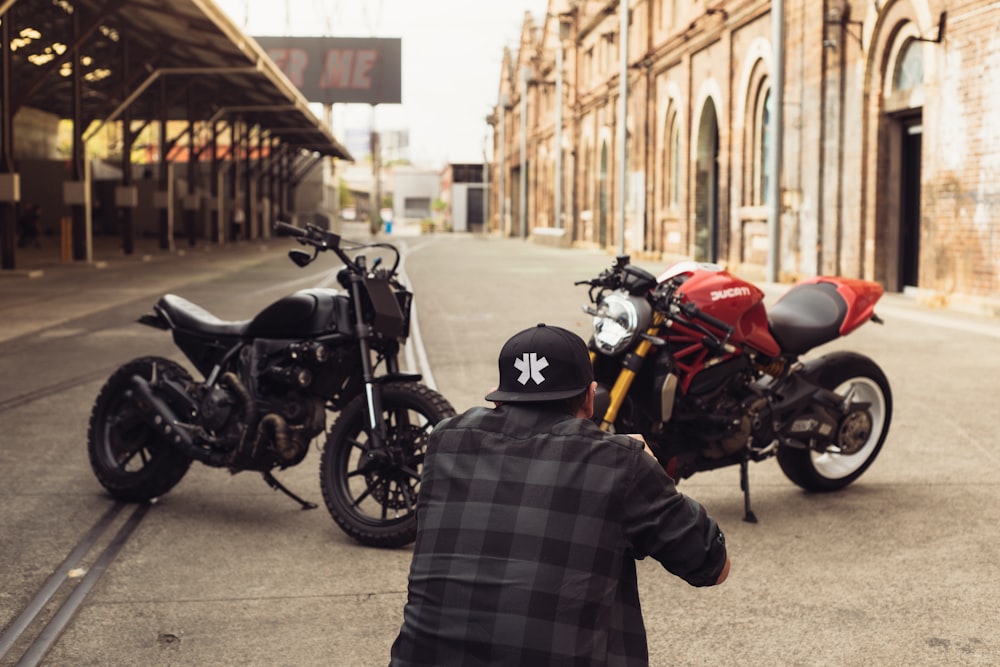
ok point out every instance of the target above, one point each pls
(372, 493)
(861, 433)
(129, 458)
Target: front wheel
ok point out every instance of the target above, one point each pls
(372, 493)
(862, 432)
(129, 458)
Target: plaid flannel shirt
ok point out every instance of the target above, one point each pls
(528, 526)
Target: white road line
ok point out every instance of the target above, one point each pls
(414, 351)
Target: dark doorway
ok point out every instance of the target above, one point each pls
(515, 202)
(909, 202)
(474, 218)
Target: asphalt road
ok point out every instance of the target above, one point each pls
(898, 569)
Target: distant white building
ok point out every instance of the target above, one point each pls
(413, 193)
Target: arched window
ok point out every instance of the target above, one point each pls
(909, 72)
(670, 195)
(757, 162)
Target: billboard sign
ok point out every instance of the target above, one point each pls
(333, 70)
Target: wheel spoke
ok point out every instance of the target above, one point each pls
(360, 499)
(353, 442)
(410, 497)
(129, 455)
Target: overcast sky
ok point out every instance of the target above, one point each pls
(451, 57)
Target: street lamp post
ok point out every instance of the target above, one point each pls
(622, 109)
(559, 131)
(776, 131)
(502, 169)
(523, 194)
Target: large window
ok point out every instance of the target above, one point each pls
(671, 192)
(757, 144)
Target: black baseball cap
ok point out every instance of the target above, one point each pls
(543, 363)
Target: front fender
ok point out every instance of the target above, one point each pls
(398, 377)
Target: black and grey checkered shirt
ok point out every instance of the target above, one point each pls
(529, 524)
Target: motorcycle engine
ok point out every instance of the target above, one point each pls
(268, 420)
(723, 413)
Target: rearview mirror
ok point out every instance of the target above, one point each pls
(301, 257)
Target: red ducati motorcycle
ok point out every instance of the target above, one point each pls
(694, 362)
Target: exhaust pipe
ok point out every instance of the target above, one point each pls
(161, 418)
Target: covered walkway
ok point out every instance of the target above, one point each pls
(221, 128)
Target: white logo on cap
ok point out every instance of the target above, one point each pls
(531, 366)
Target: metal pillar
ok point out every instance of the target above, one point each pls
(82, 246)
(127, 230)
(776, 130)
(8, 210)
(622, 111)
(523, 194)
(559, 131)
(190, 215)
(502, 168)
(213, 186)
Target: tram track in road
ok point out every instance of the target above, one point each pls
(66, 589)
(7, 404)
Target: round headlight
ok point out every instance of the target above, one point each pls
(620, 320)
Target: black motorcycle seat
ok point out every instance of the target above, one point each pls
(184, 314)
(807, 316)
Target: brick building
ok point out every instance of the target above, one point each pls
(890, 137)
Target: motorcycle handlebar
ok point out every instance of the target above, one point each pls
(311, 235)
(322, 240)
(317, 238)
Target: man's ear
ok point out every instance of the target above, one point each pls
(586, 410)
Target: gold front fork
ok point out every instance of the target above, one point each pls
(625, 377)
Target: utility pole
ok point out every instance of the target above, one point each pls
(502, 168)
(776, 131)
(559, 129)
(622, 110)
(523, 194)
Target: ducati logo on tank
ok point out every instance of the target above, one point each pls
(729, 293)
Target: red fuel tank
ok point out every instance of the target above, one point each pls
(722, 295)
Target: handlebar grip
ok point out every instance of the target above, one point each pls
(285, 229)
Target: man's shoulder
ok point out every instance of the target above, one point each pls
(523, 422)
(587, 429)
(471, 418)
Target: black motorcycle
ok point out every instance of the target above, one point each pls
(268, 385)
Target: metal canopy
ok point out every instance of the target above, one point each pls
(173, 59)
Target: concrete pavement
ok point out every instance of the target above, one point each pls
(898, 569)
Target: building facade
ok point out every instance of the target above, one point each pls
(888, 149)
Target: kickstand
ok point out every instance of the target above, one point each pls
(748, 514)
(278, 486)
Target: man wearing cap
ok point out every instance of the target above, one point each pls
(530, 520)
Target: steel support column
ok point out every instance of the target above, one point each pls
(81, 233)
(8, 209)
(190, 214)
(213, 186)
(127, 212)
(165, 186)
